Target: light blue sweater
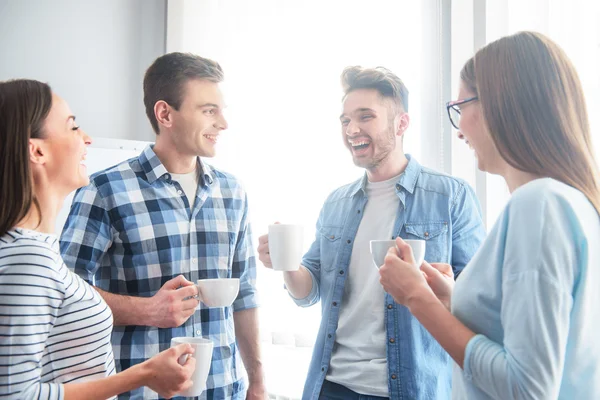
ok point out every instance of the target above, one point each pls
(532, 296)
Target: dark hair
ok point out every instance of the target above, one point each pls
(24, 106)
(381, 79)
(165, 79)
(534, 109)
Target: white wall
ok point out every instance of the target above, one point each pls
(93, 53)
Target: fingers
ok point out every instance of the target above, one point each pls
(406, 252)
(263, 239)
(188, 291)
(189, 305)
(429, 271)
(183, 348)
(445, 269)
(177, 282)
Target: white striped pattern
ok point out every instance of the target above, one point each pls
(54, 327)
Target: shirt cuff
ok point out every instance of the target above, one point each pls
(471, 348)
(312, 297)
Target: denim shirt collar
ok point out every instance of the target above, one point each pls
(155, 169)
(407, 180)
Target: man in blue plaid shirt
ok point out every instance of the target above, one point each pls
(145, 230)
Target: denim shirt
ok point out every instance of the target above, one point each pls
(437, 208)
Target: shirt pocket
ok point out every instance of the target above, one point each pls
(330, 246)
(435, 235)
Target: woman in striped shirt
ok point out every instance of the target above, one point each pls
(54, 328)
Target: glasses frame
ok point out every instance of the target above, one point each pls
(455, 105)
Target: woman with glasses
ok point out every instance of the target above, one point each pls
(522, 321)
(55, 328)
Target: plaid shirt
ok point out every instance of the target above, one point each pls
(132, 229)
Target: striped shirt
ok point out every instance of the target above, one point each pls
(54, 327)
(132, 229)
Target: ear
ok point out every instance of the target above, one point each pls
(162, 112)
(37, 152)
(401, 123)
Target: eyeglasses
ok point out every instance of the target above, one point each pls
(453, 108)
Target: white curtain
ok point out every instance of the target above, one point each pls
(282, 63)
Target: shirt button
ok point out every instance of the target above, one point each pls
(390, 306)
(348, 241)
(341, 272)
(194, 260)
(323, 369)
(393, 376)
(397, 186)
(358, 212)
(198, 332)
(392, 340)
(332, 237)
(179, 192)
(426, 234)
(335, 303)
(329, 335)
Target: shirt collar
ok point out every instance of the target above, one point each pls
(155, 169)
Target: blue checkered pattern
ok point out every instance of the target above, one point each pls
(132, 229)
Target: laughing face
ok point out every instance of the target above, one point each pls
(368, 127)
(64, 148)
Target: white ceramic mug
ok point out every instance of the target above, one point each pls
(379, 249)
(285, 246)
(203, 355)
(220, 292)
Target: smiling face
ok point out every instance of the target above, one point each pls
(64, 148)
(368, 131)
(473, 131)
(199, 121)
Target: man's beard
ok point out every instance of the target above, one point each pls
(386, 146)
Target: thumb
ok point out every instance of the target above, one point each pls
(177, 282)
(430, 272)
(406, 253)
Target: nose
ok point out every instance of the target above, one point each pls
(221, 123)
(86, 138)
(352, 128)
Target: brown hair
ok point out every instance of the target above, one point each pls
(381, 79)
(165, 79)
(24, 106)
(534, 108)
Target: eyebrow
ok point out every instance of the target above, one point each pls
(209, 105)
(363, 109)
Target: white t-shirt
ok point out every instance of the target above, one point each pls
(54, 327)
(359, 359)
(189, 184)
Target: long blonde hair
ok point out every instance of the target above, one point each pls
(534, 108)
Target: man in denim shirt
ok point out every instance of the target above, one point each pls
(369, 347)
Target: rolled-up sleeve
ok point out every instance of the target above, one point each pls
(244, 265)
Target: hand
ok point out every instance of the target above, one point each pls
(164, 373)
(257, 391)
(399, 276)
(263, 251)
(174, 303)
(440, 278)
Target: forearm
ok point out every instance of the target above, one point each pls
(129, 310)
(298, 283)
(248, 340)
(450, 333)
(104, 388)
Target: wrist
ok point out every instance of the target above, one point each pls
(140, 374)
(421, 300)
